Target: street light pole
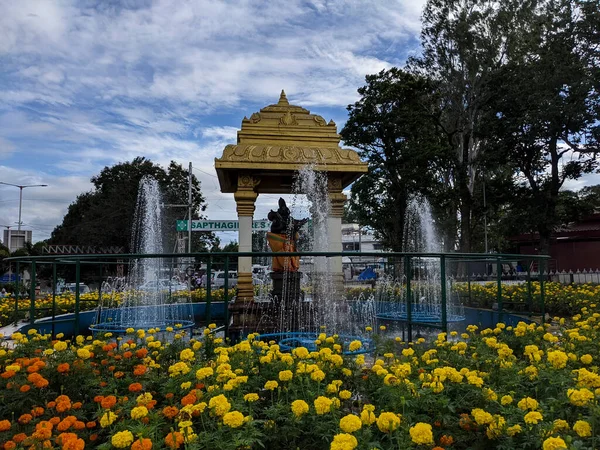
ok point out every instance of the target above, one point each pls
(21, 187)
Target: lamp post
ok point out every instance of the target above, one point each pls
(21, 187)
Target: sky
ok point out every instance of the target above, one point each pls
(87, 84)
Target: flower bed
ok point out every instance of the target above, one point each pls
(501, 388)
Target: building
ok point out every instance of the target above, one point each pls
(575, 246)
(360, 240)
(15, 239)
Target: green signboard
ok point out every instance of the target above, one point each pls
(221, 225)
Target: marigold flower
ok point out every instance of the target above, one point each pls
(63, 368)
(252, 397)
(25, 419)
(322, 405)
(271, 385)
(554, 443)
(533, 417)
(5, 425)
(285, 375)
(350, 423)
(299, 407)
(233, 419)
(528, 403)
(135, 387)
(107, 419)
(387, 422)
(582, 428)
(108, 402)
(142, 444)
(122, 439)
(174, 440)
(421, 433)
(344, 441)
(219, 404)
(138, 412)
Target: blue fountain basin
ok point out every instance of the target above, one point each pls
(288, 341)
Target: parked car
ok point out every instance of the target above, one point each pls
(218, 280)
(71, 287)
(163, 285)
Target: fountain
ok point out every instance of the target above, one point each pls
(148, 301)
(425, 272)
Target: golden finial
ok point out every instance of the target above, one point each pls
(283, 99)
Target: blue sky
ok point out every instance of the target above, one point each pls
(85, 84)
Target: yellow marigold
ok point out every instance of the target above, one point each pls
(344, 441)
(421, 433)
(533, 417)
(494, 430)
(271, 385)
(285, 375)
(582, 428)
(558, 359)
(586, 359)
(219, 404)
(233, 419)
(560, 425)
(107, 419)
(204, 372)
(345, 394)
(513, 430)
(528, 403)
(300, 352)
(506, 400)
(317, 375)
(554, 443)
(187, 354)
(367, 416)
(322, 405)
(580, 397)
(60, 346)
(354, 345)
(482, 417)
(138, 412)
(387, 422)
(83, 353)
(122, 439)
(350, 423)
(251, 397)
(299, 407)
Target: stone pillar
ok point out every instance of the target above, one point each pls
(245, 198)
(337, 199)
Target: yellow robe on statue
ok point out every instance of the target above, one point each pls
(280, 243)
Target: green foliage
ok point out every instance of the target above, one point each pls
(103, 217)
(393, 126)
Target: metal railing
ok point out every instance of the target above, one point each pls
(403, 266)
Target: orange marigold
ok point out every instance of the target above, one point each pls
(127, 355)
(8, 374)
(37, 411)
(90, 425)
(141, 353)
(62, 368)
(108, 402)
(18, 438)
(139, 370)
(25, 418)
(189, 399)
(43, 430)
(174, 439)
(10, 445)
(5, 425)
(135, 387)
(25, 388)
(446, 440)
(77, 405)
(119, 374)
(54, 420)
(142, 444)
(170, 411)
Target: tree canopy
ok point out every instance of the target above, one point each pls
(104, 216)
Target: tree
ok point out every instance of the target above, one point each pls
(104, 216)
(464, 43)
(547, 109)
(393, 126)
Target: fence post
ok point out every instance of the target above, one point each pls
(444, 294)
(499, 299)
(529, 296)
(16, 293)
(208, 289)
(77, 280)
(53, 298)
(32, 293)
(226, 296)
(542, 292)
(408, 274)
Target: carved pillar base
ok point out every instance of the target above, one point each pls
(245, 288)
